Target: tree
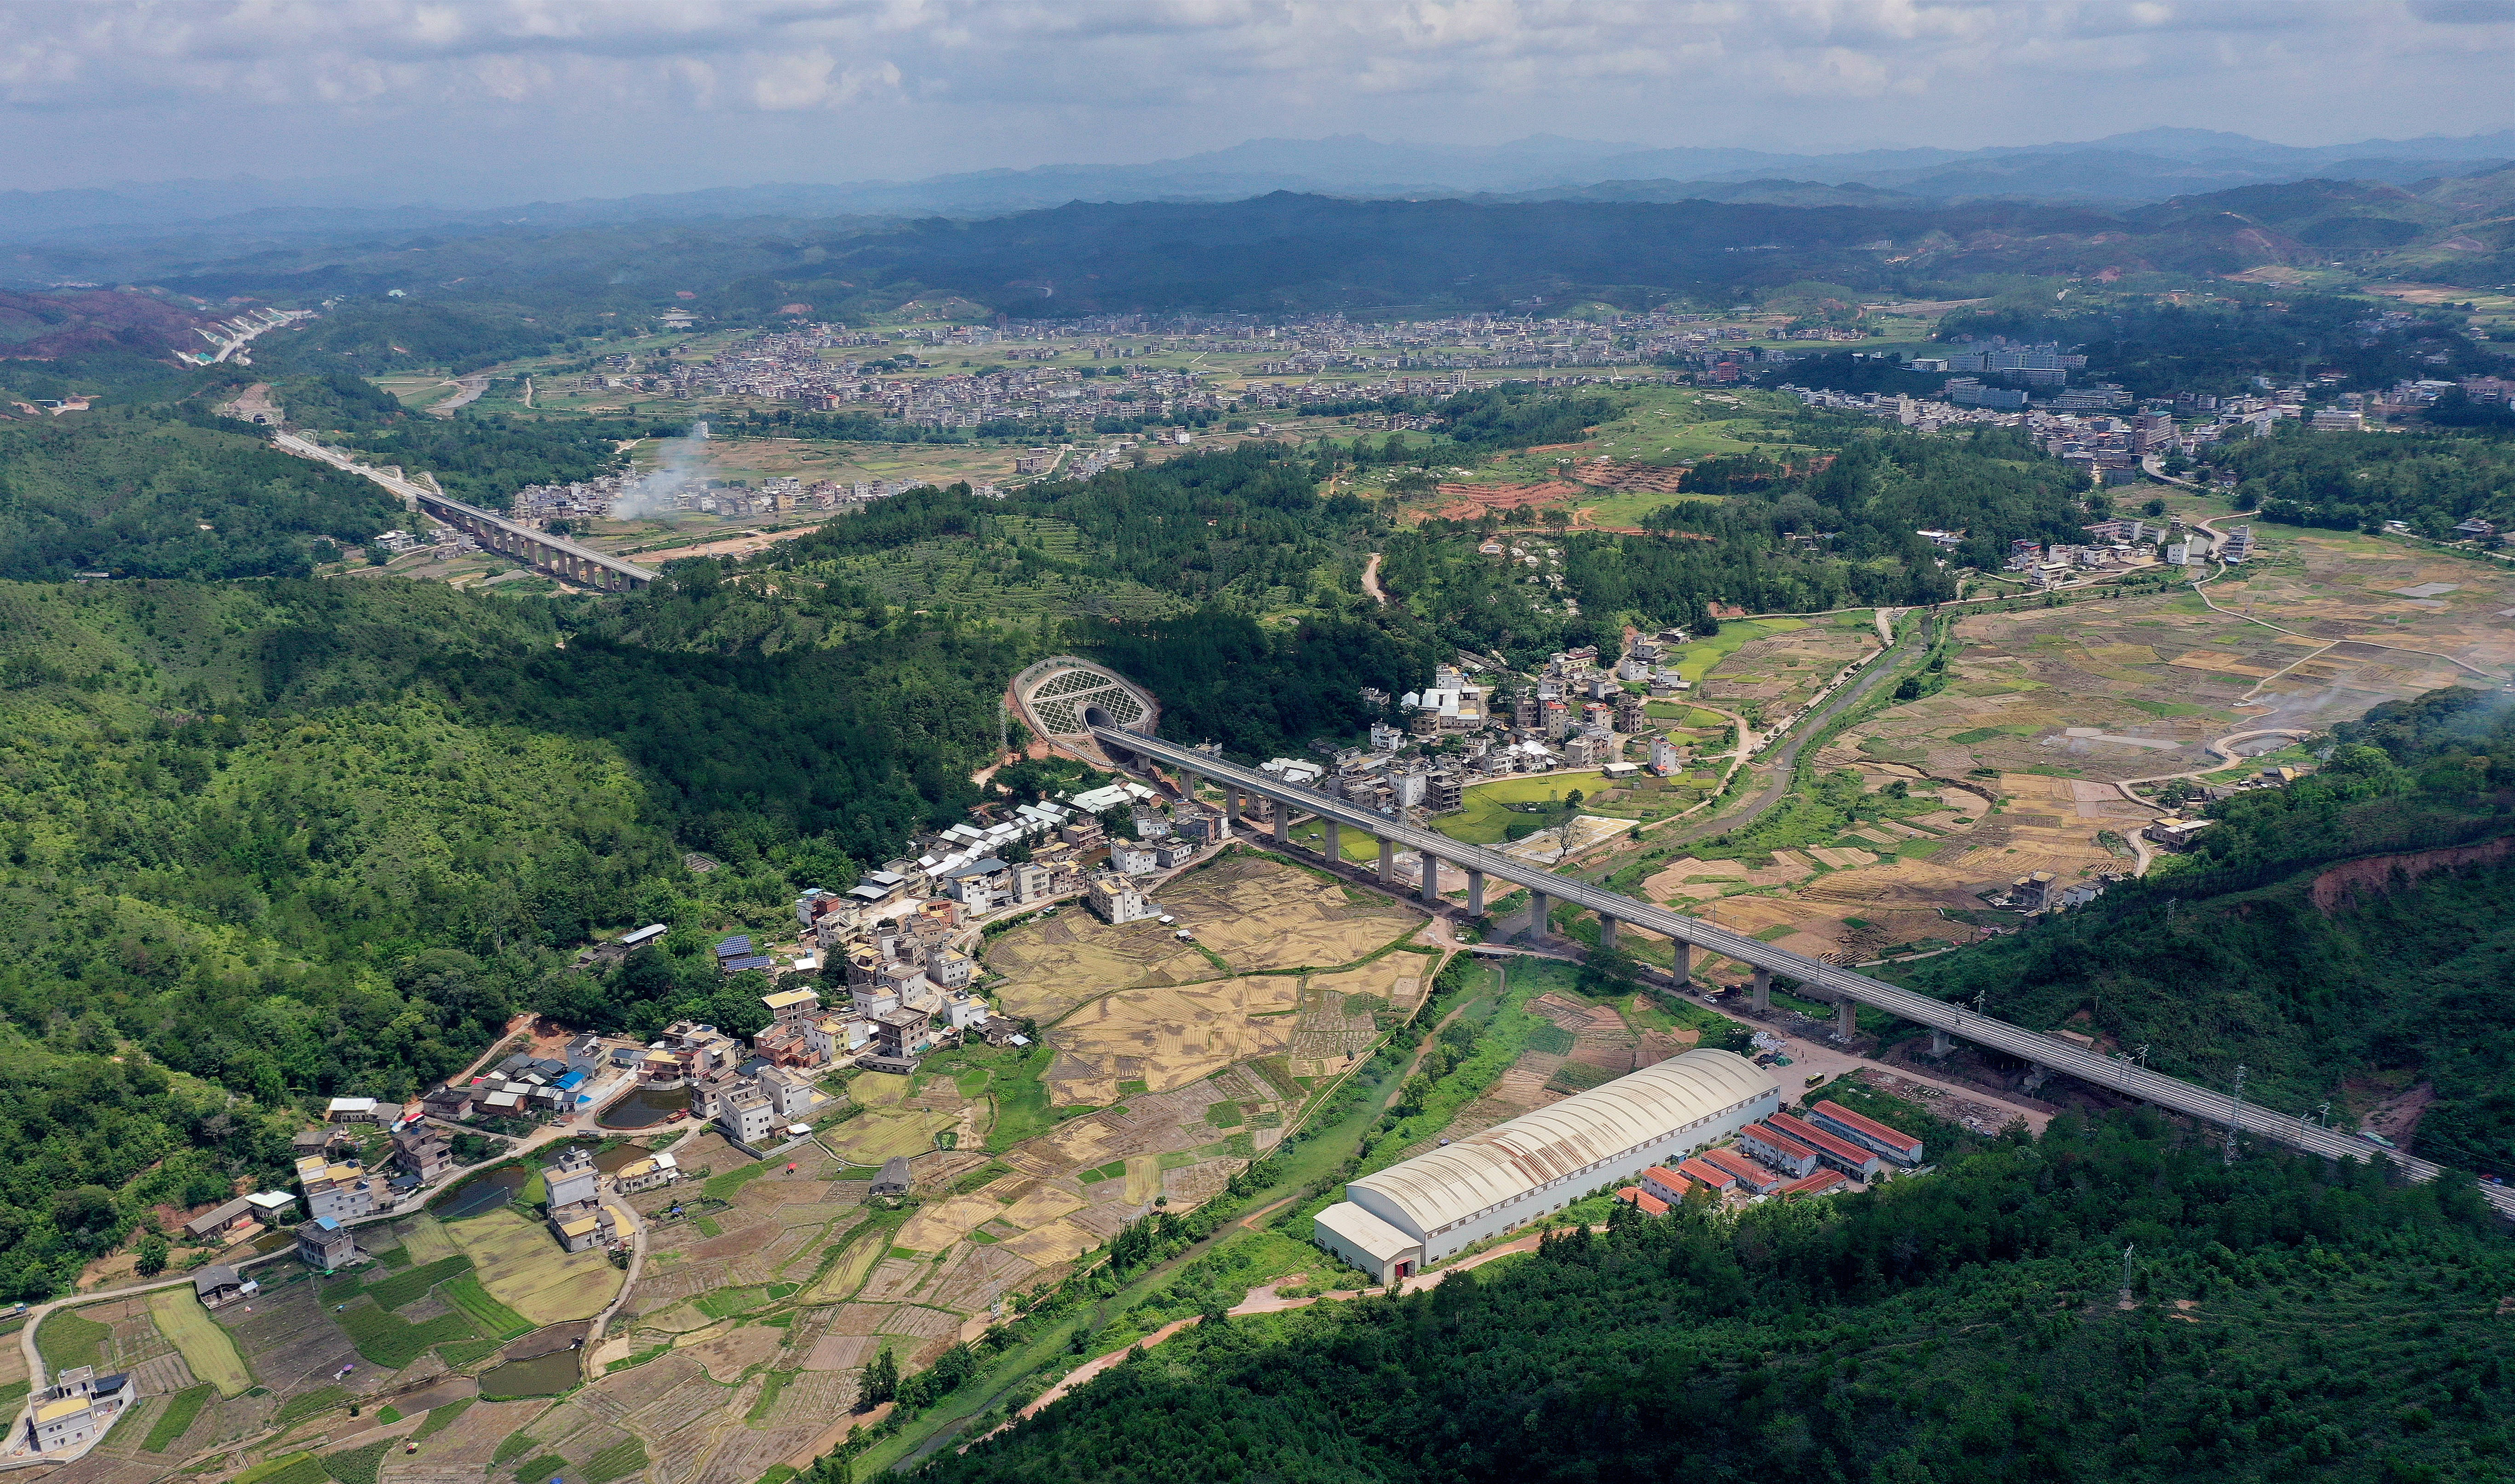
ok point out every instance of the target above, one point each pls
(880, 1381)
(2154, 506)
(152, 1256)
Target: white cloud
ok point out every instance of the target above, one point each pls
(923, 85)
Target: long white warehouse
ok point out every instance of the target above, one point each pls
(1393, 1223)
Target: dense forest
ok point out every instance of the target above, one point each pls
(2431, 481)
(2337, 997)
(2106, 1302)
(144, 492)
(294, 839)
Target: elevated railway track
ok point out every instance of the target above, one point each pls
(1845, 988)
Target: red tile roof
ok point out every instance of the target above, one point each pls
(1871, 1127)
(1707, 1175)
(1821, 1142)
(1815, 1185)
(1643, 1201)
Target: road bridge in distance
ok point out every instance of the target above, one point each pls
(1847, 990)
(555, 554)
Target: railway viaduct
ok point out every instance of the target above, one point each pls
(1846, 989)
(555, 554)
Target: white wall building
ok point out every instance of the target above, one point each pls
(1393, 1223)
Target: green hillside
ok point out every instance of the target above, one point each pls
(2283, 1320)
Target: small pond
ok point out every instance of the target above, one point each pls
(485, 1191)
(620, 1156)
(646, 1108)
(541, 1375)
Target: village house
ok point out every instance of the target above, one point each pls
(78, 1409)
(325, 1245)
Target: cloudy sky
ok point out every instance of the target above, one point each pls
(487, 100)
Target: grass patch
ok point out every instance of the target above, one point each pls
(1019, 1093)
(907, 1254)
(294, 1469)
(69, 1339)
(401, 1288)
(706, 1226)
(720, 1187)
(1549, 1038)
(177, 1420)
(547, 1466)
(638, 1359)
(358, 1465)
(772, 1386)
(387, 1339)
(305, 1404)
(725, 1302)
(617, 1461)
(1979, 734)
(464, 1352)
(990, 1171)
(1580, 1077)
(514, 1446)
(483, 1308)
(1134, 1088)
(1224, 1115)
(395, 1258)
(441, 1419)
(972, 1083)
(389, 1413)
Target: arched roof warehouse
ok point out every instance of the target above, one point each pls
(1509, 1160)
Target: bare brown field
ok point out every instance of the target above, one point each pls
(1052, 966)
(1259, 914)
(1167, 1038)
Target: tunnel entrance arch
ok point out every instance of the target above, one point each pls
(1062, 698)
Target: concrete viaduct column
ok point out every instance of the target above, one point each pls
(1475, 893)
(1283, 823)
(1939, 1042)
(1683, 967)
(1606, 932)
(1764, 989)
(1336, 843)
(1231, 802)
(1538, 909)
(1847, 1018)
(1388, 863)
(1431, 880)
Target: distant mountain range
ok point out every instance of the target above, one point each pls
(1883, 221)
(2121, 170)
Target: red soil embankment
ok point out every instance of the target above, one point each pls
(2345, 885)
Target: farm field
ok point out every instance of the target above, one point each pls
(205, 1347)
(1777, 665)
(2047, 710)
(767, 1288)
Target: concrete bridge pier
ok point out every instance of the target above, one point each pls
(1231, 803)
(1764, 989)
(1475, 893)
(1606, 932)
(1847, 1018)
(1939, 1046)
(1538, 909)
(1335, 846)
(1431, 880)
(1388, 863)
(1683, 967)
(1283, 825)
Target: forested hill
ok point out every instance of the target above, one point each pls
(274, 842)
(2284, 1321)
(2331, 983)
